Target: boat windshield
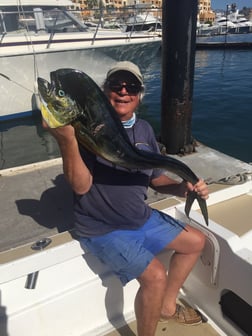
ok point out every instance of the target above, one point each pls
(39, 20)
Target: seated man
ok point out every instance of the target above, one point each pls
(113, 221)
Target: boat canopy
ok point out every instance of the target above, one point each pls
(5, 3)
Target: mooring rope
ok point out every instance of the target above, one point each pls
(239, 178)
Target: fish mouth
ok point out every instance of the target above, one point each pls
(45, 88)
(42, 84)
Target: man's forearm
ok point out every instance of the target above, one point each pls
(75, 170)
(166, 185)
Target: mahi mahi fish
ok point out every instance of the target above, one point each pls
(72, 97)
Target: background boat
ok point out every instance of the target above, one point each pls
(230, 22)
(222, 41)
(143, 21)
(40, 36)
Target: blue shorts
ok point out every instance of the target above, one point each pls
(128, 252)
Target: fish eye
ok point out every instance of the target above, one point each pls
(61, 93)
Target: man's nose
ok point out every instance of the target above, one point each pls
(123, 88)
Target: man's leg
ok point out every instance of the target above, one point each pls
(188, 247)
(158, 293)
(148, 302)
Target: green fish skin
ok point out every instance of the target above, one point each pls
(74, 98)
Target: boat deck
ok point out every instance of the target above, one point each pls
(169, 329)
(36, 203)
(237, 219)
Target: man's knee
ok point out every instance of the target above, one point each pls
(199, 240)
(189, 241)
(154, 274)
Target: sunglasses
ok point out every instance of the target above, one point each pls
(131, 88)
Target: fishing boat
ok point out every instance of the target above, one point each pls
(38, 36)
(50, 286)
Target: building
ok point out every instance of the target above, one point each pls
(117, 4)
(205, 12)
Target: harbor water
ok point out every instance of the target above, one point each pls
(222, 102)
(221, 115)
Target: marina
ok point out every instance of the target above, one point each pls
(221, 111)
(50, 286)
(43, 33)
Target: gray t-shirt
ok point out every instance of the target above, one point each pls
(117, 197)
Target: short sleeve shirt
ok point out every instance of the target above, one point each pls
(116, 199)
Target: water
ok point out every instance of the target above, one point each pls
(222, 103)
(222, 111)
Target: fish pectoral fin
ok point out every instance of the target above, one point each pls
(191, 196)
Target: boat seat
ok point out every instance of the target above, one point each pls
(233, 214)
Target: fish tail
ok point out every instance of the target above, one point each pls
(191, 196)
(203, 208)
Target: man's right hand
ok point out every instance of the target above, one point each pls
(63, 134)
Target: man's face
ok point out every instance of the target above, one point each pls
(123, 92)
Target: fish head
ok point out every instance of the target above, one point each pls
(73, 91)
(57, 106)
(73, 97)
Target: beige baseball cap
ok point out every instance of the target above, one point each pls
(126, 66)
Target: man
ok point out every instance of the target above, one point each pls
(113, 221)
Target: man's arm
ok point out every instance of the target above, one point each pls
(75, 170)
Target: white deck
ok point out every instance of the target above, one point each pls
(77, 295)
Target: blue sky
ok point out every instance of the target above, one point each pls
(221, 4)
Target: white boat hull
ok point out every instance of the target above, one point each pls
(19, 89)
(77, 295)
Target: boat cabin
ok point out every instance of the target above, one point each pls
(39, 17)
